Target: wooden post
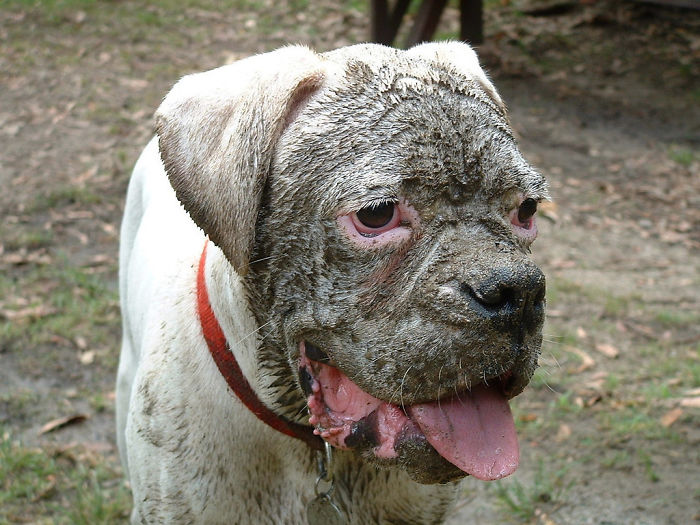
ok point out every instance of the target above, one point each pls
(471, 18)
(385, 21)
(426, 22)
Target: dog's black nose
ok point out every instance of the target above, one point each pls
(509, 294)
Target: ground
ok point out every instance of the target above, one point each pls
(604, 97)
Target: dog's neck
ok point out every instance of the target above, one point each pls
(227, 364)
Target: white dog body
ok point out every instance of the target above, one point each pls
(225, 166)
(226, 466)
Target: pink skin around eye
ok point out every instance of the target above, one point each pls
(526, 230)
(397, 230)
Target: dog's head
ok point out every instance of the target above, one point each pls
(377, 204)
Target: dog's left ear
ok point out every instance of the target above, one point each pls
(217, 133)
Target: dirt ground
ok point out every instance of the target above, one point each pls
(604, 96)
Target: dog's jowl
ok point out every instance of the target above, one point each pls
(326, 290)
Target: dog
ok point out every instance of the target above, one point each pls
(326, 290)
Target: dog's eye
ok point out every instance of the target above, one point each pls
(526, 210)
(380, 223)
(377, 216)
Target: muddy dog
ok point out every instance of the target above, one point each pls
(326, 290)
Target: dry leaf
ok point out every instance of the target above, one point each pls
(562, 264)
(586, 360)
(24, 257)
(99, 259)
(82, 238)
(607, 350)
(61, 422)
(528, 417)
(563, 433)
(690, 402)
(34, 312)
(593, 400)
(548, 210)
(670, 417)
(88, 357)
(581, 333)
(692, 392)
(108, 228)
(134, 83)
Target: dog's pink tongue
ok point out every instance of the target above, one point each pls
(475, 432)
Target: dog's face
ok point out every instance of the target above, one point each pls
(388, 261)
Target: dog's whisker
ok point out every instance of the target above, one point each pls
(255, 332)
(403, 379)
(439, 385)
(556, 362)
(551, 389)
(458, 396)
(268, 258)
(551, 341)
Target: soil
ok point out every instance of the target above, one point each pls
(605, 99)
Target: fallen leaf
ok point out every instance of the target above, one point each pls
(581, 333)
(563, 433)
(593, 400)
(586, 360)
(607, 350)
(22, 257)
(134, 83)
(33, 312)
(88, 357)
(562, 264)
(85, 175)
(548, 210)
(670, 417)
(692, 392)
(690, 402)
(82, 238)
(99, 259)
(526, 418)
(108, 228)
(61, 422)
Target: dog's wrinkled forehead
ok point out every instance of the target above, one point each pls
(382, 124)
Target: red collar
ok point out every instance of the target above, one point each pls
(228, 366)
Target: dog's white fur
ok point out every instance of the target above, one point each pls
(192, 452)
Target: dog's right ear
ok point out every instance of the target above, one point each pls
(217, 132)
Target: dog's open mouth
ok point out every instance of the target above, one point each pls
(474, 431)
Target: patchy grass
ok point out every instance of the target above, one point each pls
(64, 196)
(115, 60)
(58, 300)
(27, 237)
(63, 486)
(524, 499)
(682, 155)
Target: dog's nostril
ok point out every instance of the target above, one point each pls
(507, 291)
(496, 297)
